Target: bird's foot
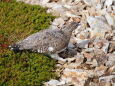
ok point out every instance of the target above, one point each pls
(56, 56)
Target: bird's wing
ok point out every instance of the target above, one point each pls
(45, 41)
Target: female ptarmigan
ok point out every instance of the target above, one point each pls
(48, 41)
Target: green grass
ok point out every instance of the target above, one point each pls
(17, 21)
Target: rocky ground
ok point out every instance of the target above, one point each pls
(91, 51)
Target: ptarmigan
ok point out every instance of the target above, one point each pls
(48, 41)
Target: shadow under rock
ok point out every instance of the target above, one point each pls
(68, 53)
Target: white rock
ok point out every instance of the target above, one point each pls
(88, 2)
(113, 7)
(69, 14)
(90, 72)
(89, 49)
(105, 47)
(102, 11)
(75, 61)
(98, 7)
(58, 10)
(93, 63)
(77, 1)
(64, 1)
(61, 83)
(99, 71)
(97, 22)
(51, 83)
(71, 45)
(68, 6)
(106, 78)
(57, 6)
(83, 43)
(49, 5)
(92, 19)
(108, 3)
(45, 1)
(111, 57)
(53, 27)
(110, 63)
(91, 2)
(110, 19)
(79, 58)
(71, 59)
(58, 22)
(99, 25)
(113, 83)
(74, 76)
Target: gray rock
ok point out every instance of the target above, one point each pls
(83, 44)
(58, 22)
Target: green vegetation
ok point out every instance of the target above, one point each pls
(17, 21)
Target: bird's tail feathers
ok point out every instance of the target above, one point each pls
(14, 47)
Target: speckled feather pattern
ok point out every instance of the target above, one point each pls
(48, 40)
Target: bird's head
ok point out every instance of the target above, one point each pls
(70, 27)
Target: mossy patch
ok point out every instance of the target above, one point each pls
(17, 21)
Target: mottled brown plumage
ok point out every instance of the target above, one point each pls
(48, 41)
